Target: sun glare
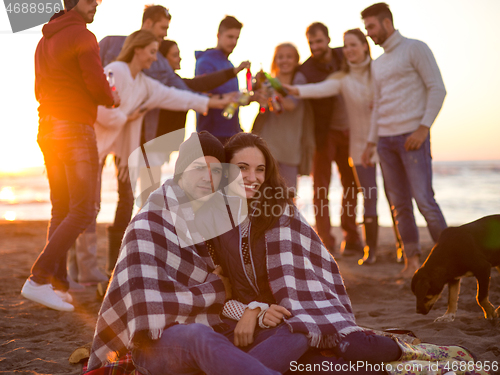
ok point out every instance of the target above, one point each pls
(7, 194)
(10, 216)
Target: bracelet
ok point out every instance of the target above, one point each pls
(261, 319)
(254, 304)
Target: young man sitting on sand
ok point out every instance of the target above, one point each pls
(165, 276)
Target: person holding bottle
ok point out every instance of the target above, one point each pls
(353, 82)
(212, 60)
(118, 130)
(284, 132)
(159, 149)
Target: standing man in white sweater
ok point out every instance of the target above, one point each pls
(409, 93)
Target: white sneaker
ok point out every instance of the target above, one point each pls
(65, 296)
(45, 295)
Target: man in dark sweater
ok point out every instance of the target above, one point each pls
(69, 85)
(332, 143)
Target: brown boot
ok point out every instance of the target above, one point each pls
(371, 240)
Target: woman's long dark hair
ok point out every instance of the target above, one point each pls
(263, 210)
(165, 46)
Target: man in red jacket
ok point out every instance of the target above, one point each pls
(69, 85)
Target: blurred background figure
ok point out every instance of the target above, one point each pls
(354, 83)
(212, 60)
(331, 130)
(288, 128)
(159, 150)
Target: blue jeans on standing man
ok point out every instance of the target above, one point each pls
(70, 153)
(195, 348)
(407, 175)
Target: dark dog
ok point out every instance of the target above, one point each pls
(468, 250)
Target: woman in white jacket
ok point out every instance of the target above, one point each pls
(353, 82)
(118, 132)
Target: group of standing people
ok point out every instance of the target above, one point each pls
(360, 113)
(198, 248)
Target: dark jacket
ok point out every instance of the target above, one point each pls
(174, 120)
(324, 109)
(69, 78)
(210, 61)
(217, 221)
(228, 250)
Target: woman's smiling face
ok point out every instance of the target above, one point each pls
(252, 166)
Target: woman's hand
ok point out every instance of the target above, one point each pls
(245, 328)
(274, 315)
(243, 65)
(136, 114)
(221, 101)
(227, 284)
(292, 90)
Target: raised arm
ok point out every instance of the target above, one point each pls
(324, 89)
(161, 96)
(210, 81)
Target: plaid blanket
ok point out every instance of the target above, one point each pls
(305, 279)
(160, 278)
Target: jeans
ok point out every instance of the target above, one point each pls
(368, 182)
(336, 150)
(124, 206)
(367, 348)
(196, 348)
(407, 175)
(70, 153)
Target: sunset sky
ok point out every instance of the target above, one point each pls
(463, 36)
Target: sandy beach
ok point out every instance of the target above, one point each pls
(37, 340)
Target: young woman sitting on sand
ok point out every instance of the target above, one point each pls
(280, 271)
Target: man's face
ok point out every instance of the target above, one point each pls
(318, 44)
(201, 178)
(158, 29)
(375, 30)
(227, 40)
(87, 9)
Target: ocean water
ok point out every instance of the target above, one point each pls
(465, 191)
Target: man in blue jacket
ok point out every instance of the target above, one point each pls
(212, 60)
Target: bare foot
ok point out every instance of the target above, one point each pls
(411, 266)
